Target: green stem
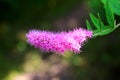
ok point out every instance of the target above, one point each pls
(117, 25)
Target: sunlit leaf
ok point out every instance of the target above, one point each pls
(104, 1)
(109, 14)
(88, 25)
(111, 7)
(115, 6)
(101, 24)
(107, 30)
(95, 21)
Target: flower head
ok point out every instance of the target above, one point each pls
(58, 42)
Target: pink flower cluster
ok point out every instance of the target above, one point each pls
(58, 42)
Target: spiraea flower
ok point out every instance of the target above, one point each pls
(58, 42)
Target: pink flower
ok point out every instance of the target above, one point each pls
(59, 42)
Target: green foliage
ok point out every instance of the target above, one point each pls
(114, 5)
(95, 21)
(111, 7)
(109, 14)
(88, 25)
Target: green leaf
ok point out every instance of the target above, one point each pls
(103, 32)
(100, 22)
(103, 1)
(95, 21)
(115, 6)
(88, 25)
(109, 14)
(107, 30)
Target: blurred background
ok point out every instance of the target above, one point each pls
(100, 56)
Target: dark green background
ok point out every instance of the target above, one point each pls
(18, 16)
